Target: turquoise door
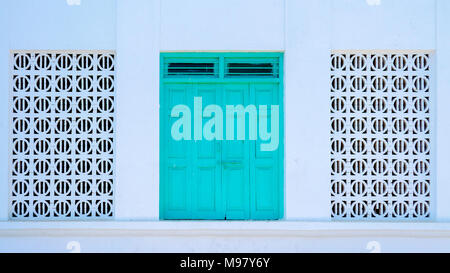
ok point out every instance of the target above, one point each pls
(203, 178)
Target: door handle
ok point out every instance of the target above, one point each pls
(232, 162)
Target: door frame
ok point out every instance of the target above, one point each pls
(221, 79)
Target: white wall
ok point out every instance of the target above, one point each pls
(443, 111)
(222, 25)
(53, 24)
(202, 244)
(216, 236)
(307, 109)
(394, 24)
(313, 29)
(145, 28)
(45, 25)
(305, 30)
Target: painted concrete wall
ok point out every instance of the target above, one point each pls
(305, 30)
(137, 136)
(222, 25)
(234, 236)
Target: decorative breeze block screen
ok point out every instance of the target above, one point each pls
(381, 133)
(62, 134)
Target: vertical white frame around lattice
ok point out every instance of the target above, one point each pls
(360, 163)
(69, 142)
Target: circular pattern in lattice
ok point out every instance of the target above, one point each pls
(380, 135)
(62, 135)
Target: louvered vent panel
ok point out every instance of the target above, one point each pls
(241, 67)
(62, 135)
(191, 67)
(381, 135)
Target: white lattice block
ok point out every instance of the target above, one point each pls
(381, 133)
(62, 134)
